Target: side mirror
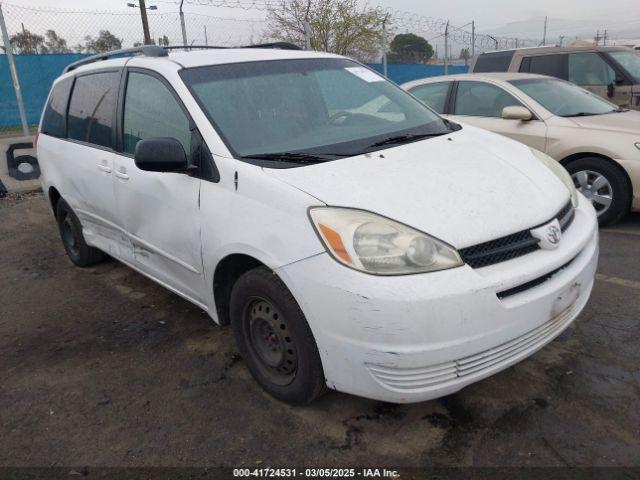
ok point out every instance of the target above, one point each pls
(162, 154)
(516, 113)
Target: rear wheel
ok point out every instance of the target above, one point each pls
(73, 240)
(604, 184)
(274, 338)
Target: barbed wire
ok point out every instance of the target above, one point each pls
(399, 19)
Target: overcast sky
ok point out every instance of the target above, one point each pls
(566, 17)
(489, 13)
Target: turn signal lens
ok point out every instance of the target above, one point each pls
(335, 242)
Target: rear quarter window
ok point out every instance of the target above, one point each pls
(54, 118)
(494, 62)
(552, 65)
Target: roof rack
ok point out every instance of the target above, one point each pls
(146, 50)
(157, 51)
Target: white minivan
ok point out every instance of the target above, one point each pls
(383, 252)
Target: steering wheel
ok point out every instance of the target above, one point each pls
(339, 118)
(560, 108)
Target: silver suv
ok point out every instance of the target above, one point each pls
(611, 72)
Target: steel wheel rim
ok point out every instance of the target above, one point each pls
(270, 341)
(69, 235)
(596, 188)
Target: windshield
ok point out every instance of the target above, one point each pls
(563, 98)
(630, 61)
(309, 109)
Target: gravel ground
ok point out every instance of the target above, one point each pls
(101, 367)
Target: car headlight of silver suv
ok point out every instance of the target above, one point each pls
(378, 245)
(560, 172)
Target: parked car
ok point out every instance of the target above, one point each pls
(394, 256)
(596, 141)
(610, 72)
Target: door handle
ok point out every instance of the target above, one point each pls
(122, 173)
(104, 167)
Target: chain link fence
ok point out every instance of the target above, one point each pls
(45, 39)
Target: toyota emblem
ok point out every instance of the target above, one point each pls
(554, 234)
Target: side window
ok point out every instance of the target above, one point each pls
(482, 100)
(92, 106)
(151, 110)
(494, 62)
(54, 118)
(433, 94)
(552, 65)
(590, 69)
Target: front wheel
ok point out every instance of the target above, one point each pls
(274, 338)
(604, 185)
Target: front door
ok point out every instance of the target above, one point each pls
(159, 212)
(591, 71)
(480, 104)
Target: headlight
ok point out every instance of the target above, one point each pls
(375, 244)
(560, 172)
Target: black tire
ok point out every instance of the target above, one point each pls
(73, 241)
(274, 338)
(620, 191)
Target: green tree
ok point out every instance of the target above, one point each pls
(54, 43)
(464, 55)
(338, 26)
(104, 42)
(27, 43)
(409, 48)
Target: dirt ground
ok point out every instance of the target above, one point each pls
(102, 367)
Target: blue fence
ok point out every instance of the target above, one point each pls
(37, 72)
(404, 72)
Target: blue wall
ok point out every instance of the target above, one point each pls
(37, 73)
(403, 72)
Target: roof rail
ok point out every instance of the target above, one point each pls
(157, 51)
(146, 50)
(274, 45)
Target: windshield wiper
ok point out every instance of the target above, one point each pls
(410, 137)
(296, 157)
(582, 114)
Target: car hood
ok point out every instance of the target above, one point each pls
(464, 188)
(621, 122)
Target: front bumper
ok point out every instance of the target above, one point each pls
(417, 337)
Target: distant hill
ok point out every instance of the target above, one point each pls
(532, 29)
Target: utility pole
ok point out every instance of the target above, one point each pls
(145, 22)
(385, 41)
(8, 50)
(206, 40)
(544, 35)
(446, 49)
(473, 38)
(605, 37)
(307, 28)
(307, 35)
(184, 29)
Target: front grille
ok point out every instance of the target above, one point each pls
(532, 283)
(511, 246)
